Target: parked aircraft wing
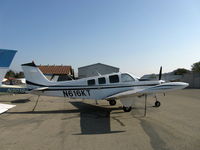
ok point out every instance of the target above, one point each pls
(5, 107)
(162, 88)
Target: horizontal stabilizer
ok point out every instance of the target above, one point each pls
(40, 89)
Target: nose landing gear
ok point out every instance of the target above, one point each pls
(157, 103)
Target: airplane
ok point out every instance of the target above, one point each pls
(111, 87)
(6, 57)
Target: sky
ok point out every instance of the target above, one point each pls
(138, 36)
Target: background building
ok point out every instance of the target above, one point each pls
(95, 70)
(57, 73)
(193, 78)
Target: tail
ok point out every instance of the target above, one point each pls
(34, 77)
(6, 57)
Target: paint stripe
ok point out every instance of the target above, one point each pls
(80, 87)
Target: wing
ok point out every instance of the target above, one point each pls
(162, 88)
(129, 93)
(5, 107)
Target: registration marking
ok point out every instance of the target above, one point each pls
(76, 93)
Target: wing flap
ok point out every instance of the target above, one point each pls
(125, 94)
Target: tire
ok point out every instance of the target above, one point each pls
(157, 104)
(127, 109)
(112, 102)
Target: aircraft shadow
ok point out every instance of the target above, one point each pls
(20, 101)
(94, 119)
(46, 112)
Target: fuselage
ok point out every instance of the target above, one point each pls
(13, 89)
(99, 87)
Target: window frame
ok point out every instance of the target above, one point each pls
(91, 84)
(104, 80)
(113, 81)
(129, 76)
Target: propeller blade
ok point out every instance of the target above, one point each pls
(160, 74)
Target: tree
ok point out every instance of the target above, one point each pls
(196, 67)
(10, 73)
(180, 71)
(19, 75)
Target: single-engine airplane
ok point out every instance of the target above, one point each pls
(110, 87)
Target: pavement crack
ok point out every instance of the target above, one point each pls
(119, 121)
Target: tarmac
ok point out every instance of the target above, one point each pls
(60, 124)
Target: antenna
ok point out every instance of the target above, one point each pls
(98, 73)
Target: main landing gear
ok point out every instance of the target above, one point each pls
(112, 102)
(127, 109)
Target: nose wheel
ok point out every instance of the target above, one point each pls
(112, 102)
(127, 109)
(157, 104)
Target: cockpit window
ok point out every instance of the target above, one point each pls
(114, 79)
(126, 78)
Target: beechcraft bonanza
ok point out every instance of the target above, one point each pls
(111, 87)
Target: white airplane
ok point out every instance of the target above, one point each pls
(110, 87)
(6, 57)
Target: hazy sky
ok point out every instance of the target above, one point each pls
(136, 35)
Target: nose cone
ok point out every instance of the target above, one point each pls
(185, 84)
(181, 85)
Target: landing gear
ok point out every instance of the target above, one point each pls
(127, 109)
(112, 102)
(157, 104)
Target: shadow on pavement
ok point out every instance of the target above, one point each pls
(94, 119)
(20, 101)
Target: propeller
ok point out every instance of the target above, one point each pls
(160, 74)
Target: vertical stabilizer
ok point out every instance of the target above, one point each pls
(6, 57)
(34, 77)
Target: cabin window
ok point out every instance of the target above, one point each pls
(102, 80)
(91, 82)
(114, 78)
(127, 78)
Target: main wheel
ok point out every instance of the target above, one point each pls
(112, 102)
(157, 104)
(127, 109)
